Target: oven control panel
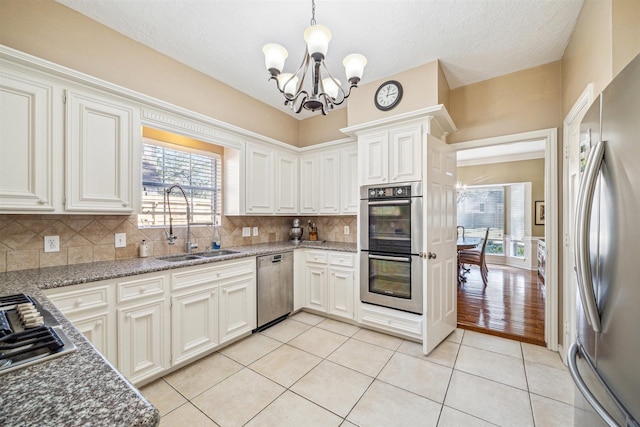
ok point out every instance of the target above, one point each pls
(402, 191)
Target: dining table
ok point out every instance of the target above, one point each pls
(465, 243)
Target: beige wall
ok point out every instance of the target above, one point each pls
(319, 129)
(51, 31)
(508, 173)
(626, 32)
(420, 90)
(523, 101)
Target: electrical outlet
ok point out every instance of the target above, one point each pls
(246, 231)
(121, 240)
(346, 229)
(255, 231)
(52, 243)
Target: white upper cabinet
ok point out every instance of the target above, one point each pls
(286, 183)
(329, 188)
(349, 190)
(405, 153)
(102, 154)
(309, 184)
(259, 179)
(391, 155)
(374, 150)
(26, 142)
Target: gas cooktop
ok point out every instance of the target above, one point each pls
(28, 333)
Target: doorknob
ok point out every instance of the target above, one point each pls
(432, 255)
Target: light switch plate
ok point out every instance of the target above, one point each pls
(255, 231)
(246, 231)
(52, 243)
(346, 229)
(121, 240)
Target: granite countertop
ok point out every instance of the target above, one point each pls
(83, 388)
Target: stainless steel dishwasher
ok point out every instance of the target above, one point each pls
(275, 288)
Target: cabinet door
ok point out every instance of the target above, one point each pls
(102, 154)
(349, 190)
(329, 187)
(316, 283)
(237, 307)
(405, 155)
(96, 328)
(341, 284)
(286, 184)
(260, 182)
(142, 346)
(26, 143)
(194, 327)
(375, 158)
(309, 184)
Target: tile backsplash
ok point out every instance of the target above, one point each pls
(88, 238)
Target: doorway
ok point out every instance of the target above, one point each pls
(509, 274)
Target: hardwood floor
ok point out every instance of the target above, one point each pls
(510, 306)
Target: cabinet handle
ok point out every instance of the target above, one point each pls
(79, 301)
(127, 316)
(142, 289)
(125, 204)
(99, 322)
(213, 293)
(218, 274)
(42, 202)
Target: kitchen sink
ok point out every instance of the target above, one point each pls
(214, 254)
(179, 258)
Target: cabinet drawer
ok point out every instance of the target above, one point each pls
(342, 259)
(316, 256)
(196, 276)
(82, 299)
(401, 323)
(140, 288)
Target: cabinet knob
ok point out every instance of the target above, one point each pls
(127, 316)
(125, 204)
(142, 289)
(79, 301)
(213, 293)
(218, 274)
(42, 202)
(99, 322)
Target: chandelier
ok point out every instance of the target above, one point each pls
(461, 192)
(324, 93)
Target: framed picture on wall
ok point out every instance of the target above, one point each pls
(539, 213)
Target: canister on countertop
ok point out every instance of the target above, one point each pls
(143, 250)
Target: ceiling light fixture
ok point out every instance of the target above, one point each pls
(324, 94)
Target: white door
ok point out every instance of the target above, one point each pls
(341, 283)
(404, 155)
(439, 243)
(309, 184)
(95, 328)
(316, 286)
(237, 307)
(375, 158)
(260, 182)
(194, 328)
(349, 190)
(286, 183)
(330, 178)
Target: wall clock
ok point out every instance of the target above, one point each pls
(388, 95)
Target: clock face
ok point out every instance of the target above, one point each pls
(388, 95)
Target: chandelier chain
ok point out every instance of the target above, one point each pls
(313, 12)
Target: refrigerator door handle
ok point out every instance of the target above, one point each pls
(582, 231)
(584, 389)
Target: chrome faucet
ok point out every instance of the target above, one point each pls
(170, 236)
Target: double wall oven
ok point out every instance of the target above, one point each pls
(390, 243)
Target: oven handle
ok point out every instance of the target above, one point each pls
(390, 258)
(390, 202)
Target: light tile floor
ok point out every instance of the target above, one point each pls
(312, 371)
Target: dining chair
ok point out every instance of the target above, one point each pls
(476, 256)
(460, 229)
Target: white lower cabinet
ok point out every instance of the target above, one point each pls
(142, 329)
(330, 282)
(148, 323)
(194, 328)
(237, 307)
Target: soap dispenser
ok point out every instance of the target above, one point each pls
(217, 239)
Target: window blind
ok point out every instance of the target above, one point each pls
(483, 207)
(517, 211)
(199, 173)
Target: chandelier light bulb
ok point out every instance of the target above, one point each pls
(274, 57)
(317, 38)
(331, 88)
(287, 82)
(354, 66)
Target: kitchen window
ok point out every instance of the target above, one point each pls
(483, 207)
(199, 172)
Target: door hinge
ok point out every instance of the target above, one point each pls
(566, 239)
(64, 97)
(566, 151)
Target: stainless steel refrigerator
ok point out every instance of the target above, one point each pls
(604, 362)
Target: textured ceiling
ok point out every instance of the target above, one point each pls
(474, 39)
